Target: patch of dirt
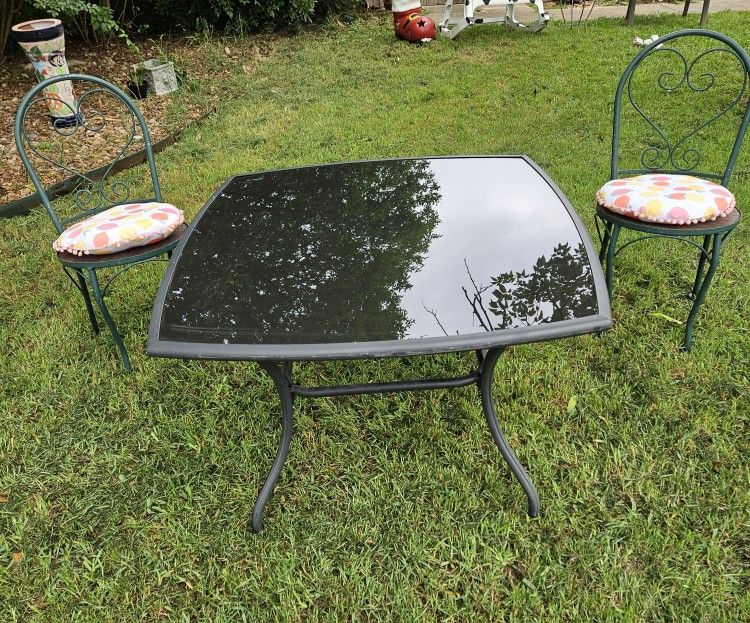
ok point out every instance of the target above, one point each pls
(199, 65)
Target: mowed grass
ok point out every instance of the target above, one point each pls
(126, 497)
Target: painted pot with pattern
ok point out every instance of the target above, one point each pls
(43, 42)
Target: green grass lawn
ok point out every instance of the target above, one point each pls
(126, 497)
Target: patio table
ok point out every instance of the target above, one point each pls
(386, 258)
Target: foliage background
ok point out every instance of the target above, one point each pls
(91, 19)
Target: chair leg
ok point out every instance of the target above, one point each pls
(108, 319)
(611, 249)
(701, 266)
(686, 8)
(704, 285)
(87, 299)
(605, 240)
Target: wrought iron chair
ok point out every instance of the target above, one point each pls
(104, 119)
(717, 82)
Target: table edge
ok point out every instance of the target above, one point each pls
(389, 348)
(379, 349)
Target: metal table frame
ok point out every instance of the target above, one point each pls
(278, 359)
(281, 373)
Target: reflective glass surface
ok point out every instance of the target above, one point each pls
(388, 250)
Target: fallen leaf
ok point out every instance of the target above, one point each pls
(227, 51)
(665, 317)
(17, 557)
(572, 404)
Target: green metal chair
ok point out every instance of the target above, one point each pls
(106, 121)
(664, 152)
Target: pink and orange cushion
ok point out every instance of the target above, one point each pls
(666, 198)
(120, 228)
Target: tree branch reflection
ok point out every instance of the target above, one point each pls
(556, 288)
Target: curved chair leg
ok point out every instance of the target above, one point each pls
(611, 249)
(701, 266)
(701, 294)
(605, 240)
(87, 299)
(485, 387)
(108, 319)
(279, 374)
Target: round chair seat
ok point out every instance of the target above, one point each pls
(708, 228)
(666, 199)
(133, 254)
(119, 228)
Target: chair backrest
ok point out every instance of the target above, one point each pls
(684, 94)
(82, 143)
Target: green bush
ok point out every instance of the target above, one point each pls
(243, 15)
(95, 19)
(92, 21)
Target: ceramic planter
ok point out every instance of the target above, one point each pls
(43, 42)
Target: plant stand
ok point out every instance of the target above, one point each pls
(43, 42)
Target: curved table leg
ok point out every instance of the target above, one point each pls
(279, 373)
(485, 387)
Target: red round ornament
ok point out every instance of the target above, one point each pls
(414, 27)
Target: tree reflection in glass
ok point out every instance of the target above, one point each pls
(556, 288)
(269, 258)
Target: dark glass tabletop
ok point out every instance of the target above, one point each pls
(379, 258)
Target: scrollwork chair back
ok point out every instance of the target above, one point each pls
(107, 127)
(677, 90)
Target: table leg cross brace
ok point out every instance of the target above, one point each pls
(281, 372)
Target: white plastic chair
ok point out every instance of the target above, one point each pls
(450, 28)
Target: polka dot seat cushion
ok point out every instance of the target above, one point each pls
(662, 198)
(119, 228)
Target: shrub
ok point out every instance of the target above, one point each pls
(252, 15)
(96, 19)
(92, 21)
